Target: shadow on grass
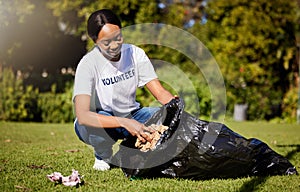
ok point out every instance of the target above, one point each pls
(253, 184)
(290, 154)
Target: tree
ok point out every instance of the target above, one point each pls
(130, 12)
(33, 42)
(11, 13)
(254, 44)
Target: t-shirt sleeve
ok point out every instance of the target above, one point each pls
(83, 82)
(145, 69)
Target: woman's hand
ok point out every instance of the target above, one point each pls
(137, 129)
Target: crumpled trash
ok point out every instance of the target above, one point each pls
(155, 136)
(75, 179)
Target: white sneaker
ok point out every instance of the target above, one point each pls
(101, 165)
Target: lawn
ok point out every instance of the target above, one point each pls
(31, 151)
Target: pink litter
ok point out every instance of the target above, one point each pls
(75, 179)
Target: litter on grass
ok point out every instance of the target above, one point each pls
(75, 179)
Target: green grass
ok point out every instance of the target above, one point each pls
(30, 151)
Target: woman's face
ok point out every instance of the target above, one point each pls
(110, 41)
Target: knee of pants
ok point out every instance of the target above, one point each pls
(101, 145)
(81, 132)
(145, 113)
(97, 141)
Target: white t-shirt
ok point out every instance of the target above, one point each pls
(112, 85)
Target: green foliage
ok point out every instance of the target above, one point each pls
(252, 41)
(18, 103)
(290, 102)
(174, 16)
(254, 44)
(56, 107)
(14, 9)
(129, 12)
(12, 13)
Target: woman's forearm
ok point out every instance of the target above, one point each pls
(165, 97)
(159, 92)
(92, 119)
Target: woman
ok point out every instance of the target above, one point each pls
(105, 86)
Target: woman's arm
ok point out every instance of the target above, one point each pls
(88, 118)
(159, 92)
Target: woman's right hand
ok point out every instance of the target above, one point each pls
(137, 129)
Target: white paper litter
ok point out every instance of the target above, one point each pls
(75, 179)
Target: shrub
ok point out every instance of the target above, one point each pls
(18, 103)
(289, 110)
(56, 107)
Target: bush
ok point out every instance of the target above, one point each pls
(25, 103)
(289, 109)
(56, 107)
(17, 103)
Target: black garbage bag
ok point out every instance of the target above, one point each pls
(196, 149)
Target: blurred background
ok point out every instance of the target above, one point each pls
(255, 43)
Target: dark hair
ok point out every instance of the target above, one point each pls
(98, 19)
